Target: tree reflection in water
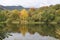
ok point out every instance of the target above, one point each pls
(43, 29)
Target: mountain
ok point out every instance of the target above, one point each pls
(11, 7)
(2, 7)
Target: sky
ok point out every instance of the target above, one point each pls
(29, 3)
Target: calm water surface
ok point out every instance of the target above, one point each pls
(32, 32)
(28, 36)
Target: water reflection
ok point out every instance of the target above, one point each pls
(28, 36)
(43, 29)
(23, 29)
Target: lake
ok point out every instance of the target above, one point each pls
(33, 32)
(28, 36)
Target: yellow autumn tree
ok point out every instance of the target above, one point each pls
(23, 16)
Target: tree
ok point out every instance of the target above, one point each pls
(48, 15)
(23, 16)
(31, 11)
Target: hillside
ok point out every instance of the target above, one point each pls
(11, 7)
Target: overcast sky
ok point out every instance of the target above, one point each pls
(29, 3)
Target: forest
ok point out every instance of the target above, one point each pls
(13, 21)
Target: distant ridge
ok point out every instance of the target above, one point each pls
(2, 7)
(11, 7)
